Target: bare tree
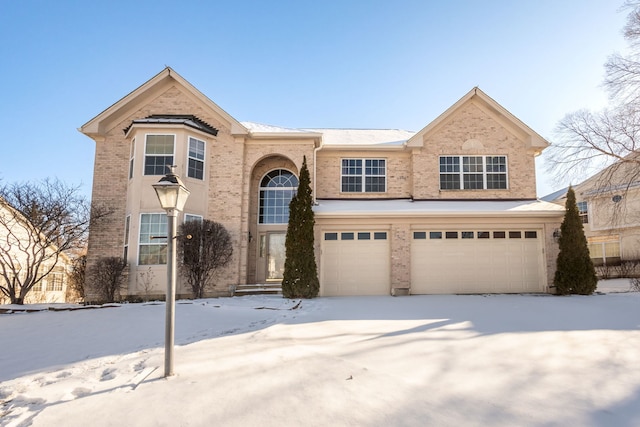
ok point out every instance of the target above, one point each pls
(108, 276)
(589, 141)
(205, 246)
(77, 275)
(38, 223)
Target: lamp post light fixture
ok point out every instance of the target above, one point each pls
(172, 195)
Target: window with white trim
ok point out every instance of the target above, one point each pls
(583, 211)
(127, 226)
(131, 157)
(473, 172)
(158, 154)
(195, 159)
(191, 217)
(364, 176)
(277, 188)
(54, 281)
(153, 239)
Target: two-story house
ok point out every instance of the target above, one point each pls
(609, 206)
(449, 209)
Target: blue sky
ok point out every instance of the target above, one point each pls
(305, 63)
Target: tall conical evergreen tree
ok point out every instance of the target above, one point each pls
(300, 278)
(575, 273)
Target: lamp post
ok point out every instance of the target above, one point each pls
(172, 195)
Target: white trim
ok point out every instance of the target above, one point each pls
(203, 160)
(364, 175)
(140, 232)
(146, 137)
(260, 187)
(461, 173)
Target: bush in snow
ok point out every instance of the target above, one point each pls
(108, 277)
(575, 273)
(300, 279)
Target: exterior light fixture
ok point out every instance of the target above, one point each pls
(172, 195)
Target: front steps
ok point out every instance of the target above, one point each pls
(258, 289)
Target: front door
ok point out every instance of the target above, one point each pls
(275, 256)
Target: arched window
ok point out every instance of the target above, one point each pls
(276, 191)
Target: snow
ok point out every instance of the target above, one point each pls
(441, 360)
(437, 207)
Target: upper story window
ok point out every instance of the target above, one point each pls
(277, 188)
(158, 154)
(131, 157)
(583, 211)
(364, 176)
(153, 239)
(192, 217)
(195, 168)
(473, 172)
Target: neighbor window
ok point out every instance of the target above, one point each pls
(605, 250)
(277, 188)
(54, 282)
(191, 217)
(473, 172)
(153, 239)
(196, 159)
(364, 175)
(158, 154)
(583, 211)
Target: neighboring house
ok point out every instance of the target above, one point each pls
(18, 247)
(449, 209)
(609, 205)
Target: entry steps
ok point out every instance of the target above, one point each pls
(258, 289)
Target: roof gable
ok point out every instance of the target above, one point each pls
(162, 81)
(491, 107)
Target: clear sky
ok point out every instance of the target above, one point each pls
(394, 64)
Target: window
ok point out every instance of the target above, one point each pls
(127, 225)
(153, 239)
(346, 236)
(196, 159)
(277, 188)
(583, 211)
(158, 154)
(467, 234)
(419, 235)
(451, 235)
(364, 236)
(483, 234)
(380, 235)
(499, 235)
(604, 250)
(515, 235)
(530, 235)
(131, 157)
(364, 175)
(435, 235)
(191, 217)
(330, 236)
(54, 282)
(473, 172)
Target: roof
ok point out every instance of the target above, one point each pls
(364, 136)
(533, 139)
(556, 195)
(187, 120)
(457, 208)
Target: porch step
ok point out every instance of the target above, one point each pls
(258, 289)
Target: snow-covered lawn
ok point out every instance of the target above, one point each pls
(481, 360)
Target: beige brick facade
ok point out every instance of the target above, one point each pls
(239, 156)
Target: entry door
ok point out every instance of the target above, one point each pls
(275, 256)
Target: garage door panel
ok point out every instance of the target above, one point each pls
(356, 267)
(508, 263)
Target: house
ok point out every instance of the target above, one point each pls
(449, 209)
(20, 249)
(609, 205)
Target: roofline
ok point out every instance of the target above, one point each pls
(537, 141)
(91, 128)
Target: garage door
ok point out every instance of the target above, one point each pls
(476, 261)
(355, 263)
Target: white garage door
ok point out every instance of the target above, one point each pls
(476, 261)
(355, 263)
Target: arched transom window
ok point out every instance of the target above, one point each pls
(276, 191)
